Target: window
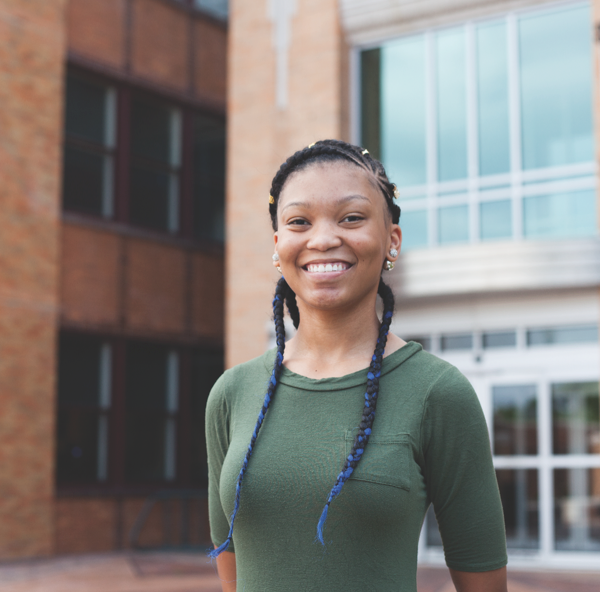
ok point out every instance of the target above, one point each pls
(455, 342)
(209, 178)
(492, 339)
(218, 8)
(155, 165)
(162, 168)
(84, 400)
(486, 128)
(88, 158)
(568, 418)
(562, 335)
(141, 425)
(152, 401)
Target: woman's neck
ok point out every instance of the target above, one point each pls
(335, 343)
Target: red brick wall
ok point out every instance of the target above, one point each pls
(90, 280)
(208, 297)
(96, 29)
(155, 287)
(160, 42)
(210, 74)
(32, 42)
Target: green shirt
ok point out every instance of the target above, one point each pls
(429, 445)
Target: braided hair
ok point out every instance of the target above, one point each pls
(321, 152)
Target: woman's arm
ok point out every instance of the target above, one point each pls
(490, 581)
(226, 570)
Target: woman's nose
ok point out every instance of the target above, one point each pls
(324, 237)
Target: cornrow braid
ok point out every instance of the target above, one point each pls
(278, 300)
(366, 423)
(330, 151)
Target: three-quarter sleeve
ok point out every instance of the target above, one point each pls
(217, 444)
(460, 477)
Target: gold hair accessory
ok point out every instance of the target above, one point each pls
(311, 145)
(271, 199)
(365, 151)
(396, 191)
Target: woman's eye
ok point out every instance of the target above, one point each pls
(353, 218)
(298, 222)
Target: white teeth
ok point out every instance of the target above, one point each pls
(325, 267)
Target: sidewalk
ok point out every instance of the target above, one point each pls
(183, 572)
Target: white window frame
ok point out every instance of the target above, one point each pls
(473, 192)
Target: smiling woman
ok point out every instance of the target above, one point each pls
(336, 231)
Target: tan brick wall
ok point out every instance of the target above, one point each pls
(155, 287)
(208, 302)
(160, 42)
(96, 29)
(90, 276)
(210, 60)
(32, 43)
(260, 137)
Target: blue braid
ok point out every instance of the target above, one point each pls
(362, 438)
(280, 294)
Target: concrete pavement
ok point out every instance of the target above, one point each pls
(186, 572)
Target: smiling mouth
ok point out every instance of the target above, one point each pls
(327, 267)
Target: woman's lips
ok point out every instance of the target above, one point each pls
(326, 267)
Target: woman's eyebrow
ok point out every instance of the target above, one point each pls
(339, 202)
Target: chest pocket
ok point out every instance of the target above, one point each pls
(386, 459)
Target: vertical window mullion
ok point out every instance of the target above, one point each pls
(172, 408)
(514, 110)
(431, 125)
(117, 415)
(546, 477)
(123, 156)
(472, 143)
(186, 213)
(104, 404)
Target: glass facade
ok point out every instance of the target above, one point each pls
(487, 128)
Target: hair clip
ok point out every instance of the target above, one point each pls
(396, 191)
(365, 151)
(271, 199)
(311, 145)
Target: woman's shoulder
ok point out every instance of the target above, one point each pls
(242, 375)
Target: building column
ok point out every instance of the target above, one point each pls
(286, 90)
(32, 49)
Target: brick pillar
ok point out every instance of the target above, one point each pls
(262, 133)
(32, 41)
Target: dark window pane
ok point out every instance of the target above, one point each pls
(209, 178)
(575, 418)
(207, 367)
(515, 419)
(520, 501)
(87, 181)
(153, 133)
(563, 335)
(79, 371)
(218, 8)
(451, 342)
(152, 198)
(370, 68)
(86, 111)
(499, 339)
(577, 509)
(77, 446)
(146, 401)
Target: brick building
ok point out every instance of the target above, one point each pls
(112, 156)
(485, 114)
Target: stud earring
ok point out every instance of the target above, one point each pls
(279, 269)
(389, 265)
(393, 253)
(275, 257)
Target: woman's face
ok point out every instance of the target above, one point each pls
(333, 235)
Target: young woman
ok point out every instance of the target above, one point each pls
(358, 431)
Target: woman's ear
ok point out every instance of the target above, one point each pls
(395, 241)
(275, 260)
